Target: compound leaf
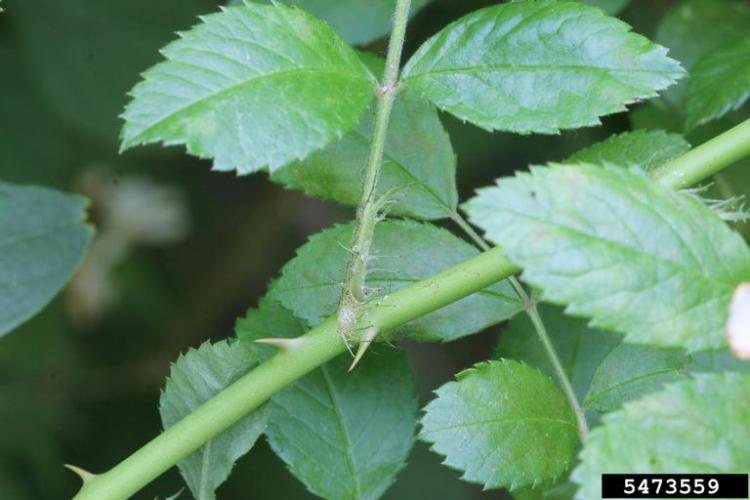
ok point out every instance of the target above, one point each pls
(43, 237)
(697, 425)
(615, 245)
(418, 162)
(581, 349)
(195, 378)
(500, 69)
(404, 252)
(649, 149)
(251, 87)
(630, 371)
(504, 424)
(359, 21)
(720, 83)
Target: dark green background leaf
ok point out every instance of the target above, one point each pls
(358, 21)
(611, 7)
(85, 54)
(43, 237)
(720, 82)
(717, 21)
(38, 158)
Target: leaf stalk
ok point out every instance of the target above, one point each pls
(541, 331)
(354, 294)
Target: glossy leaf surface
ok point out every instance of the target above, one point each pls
(251, 87)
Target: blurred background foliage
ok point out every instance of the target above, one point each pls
(181, 251)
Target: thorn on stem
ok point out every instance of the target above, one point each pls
(364, 344)
(282, 344)
(85, 475)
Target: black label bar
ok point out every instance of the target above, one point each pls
(675, 486)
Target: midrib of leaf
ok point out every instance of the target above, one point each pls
(574, 356)
(507, 421)
(235, 86)
(595, 397)
(203, 494)
(365, 140)
(527, 67)
(343, 431)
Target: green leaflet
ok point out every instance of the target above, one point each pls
(630, 371)
(404, 253)
(580, 348)
(358, 426)
(697, 425)
(195, 378)
(720, 82)
(251, 87)
(419, 162)
(617, 246)
(43, 237)
(496, 69)
(611, 7)
(504, 424)
(359, 21)
(728, 21)
(649, 149)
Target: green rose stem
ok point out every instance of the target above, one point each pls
(707, 159)
(354, 294)
(324, 342)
